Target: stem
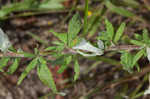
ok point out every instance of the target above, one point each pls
(124, 47)
(11, 54)
(71, 51)
(85, 17)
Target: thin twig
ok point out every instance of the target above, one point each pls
(123, 47)
(71, 51)
(11, 54)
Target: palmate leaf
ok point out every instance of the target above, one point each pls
(31, 66)
(45, 75)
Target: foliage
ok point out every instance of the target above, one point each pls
(65, 50)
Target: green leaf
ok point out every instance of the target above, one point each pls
(38, 38)
(138, 37)
(64, 66)
(3, 62)
(31, 66)
(119, 32)
(138, 56)
(76, 70)
(62, 36)
(50, 48)
(14, 66)
(145, 35)
(51, 4)
(127, 61)
(74, 28)
(19, 6)
(118, 10)
(135, 42)
(45, 75)
(103, 36)
(109, 29)
(29, 55)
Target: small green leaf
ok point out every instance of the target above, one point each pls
(74, 28)
(3, 62)
(109, 29)
(76, 70)
(119, 32)
(25, 54)
(64, 66)
(14, 66)
(50, 48)
(103, 36)
(38, 38)
(118, 10)
(135, 42)
(62, 36)
(145, 35)
(138, 37)
(138, 56)
(51, 4)
(31, 66)
(45, 75)
(127, 61)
